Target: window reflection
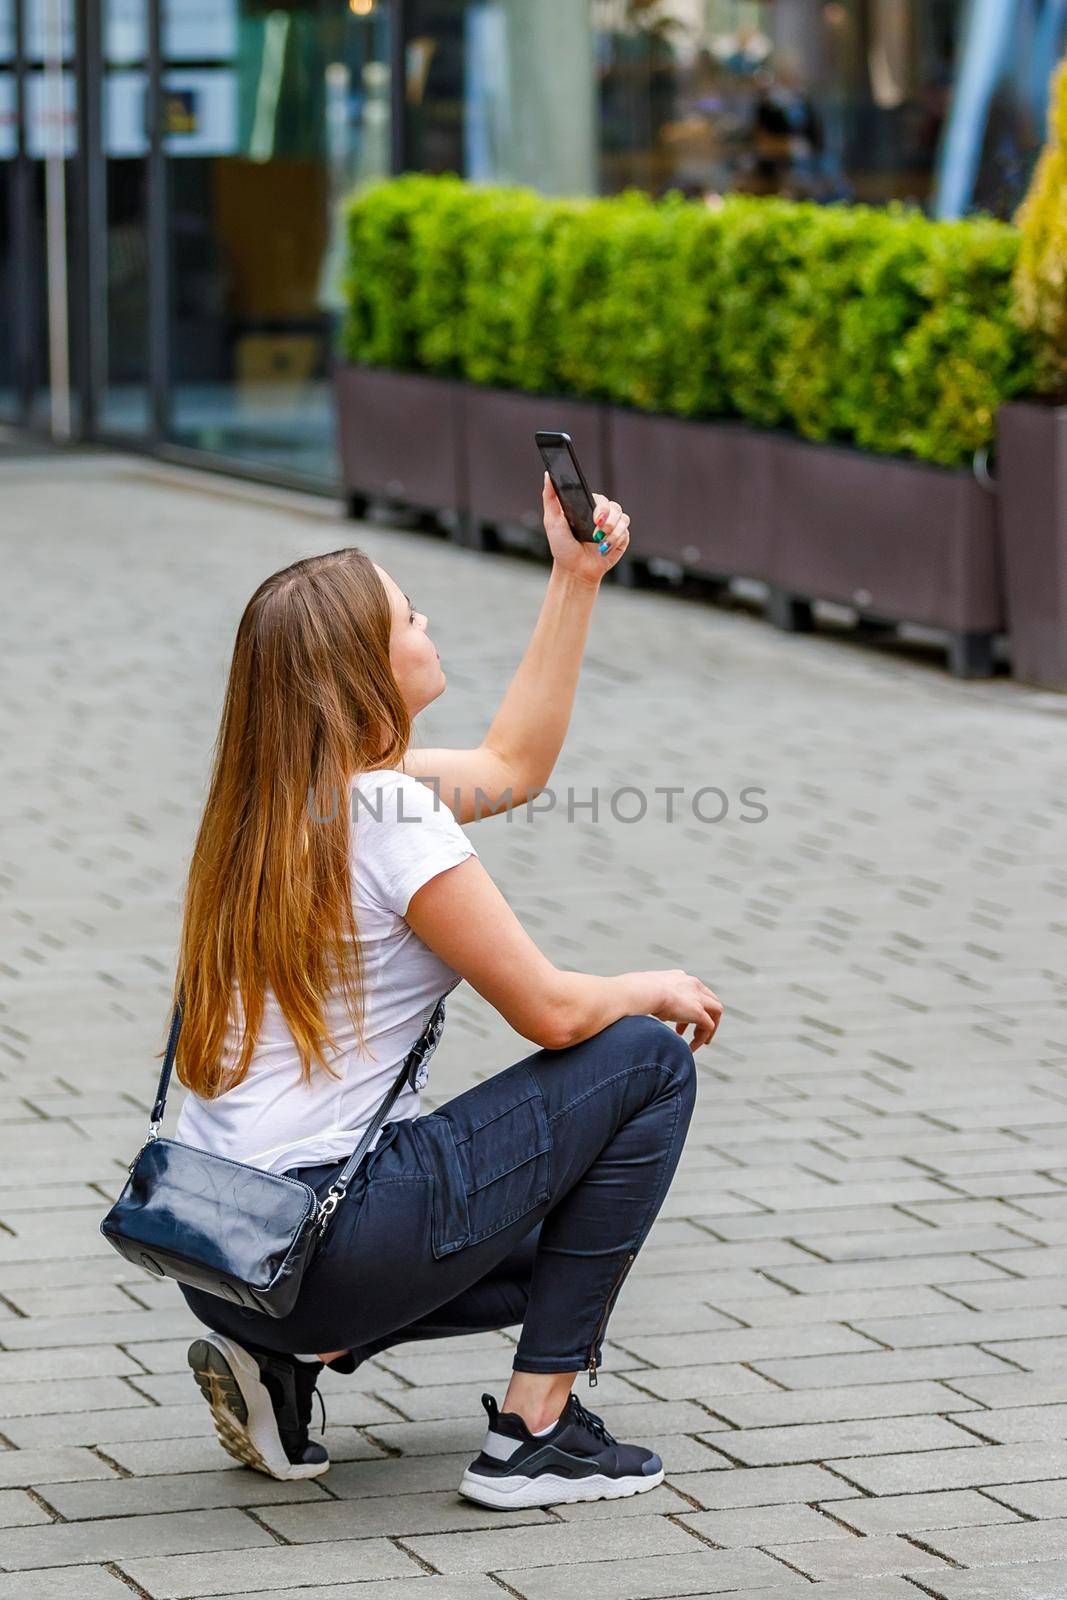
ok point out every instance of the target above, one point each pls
(272, 112)
(935, 102)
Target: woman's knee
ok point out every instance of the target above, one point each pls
(648, 1041)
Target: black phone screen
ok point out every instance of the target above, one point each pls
(570, 486)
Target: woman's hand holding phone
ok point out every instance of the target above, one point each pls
(583, 560)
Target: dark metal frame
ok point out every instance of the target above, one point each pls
(24, 286)
(400, 19)
(89, 324)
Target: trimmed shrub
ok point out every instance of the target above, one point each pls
(1041, 274)
(877, 327)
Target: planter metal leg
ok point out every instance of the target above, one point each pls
(790, 612)
(474, 534)
(970, 655)
(629, 573)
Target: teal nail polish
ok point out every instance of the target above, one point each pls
(603, 549)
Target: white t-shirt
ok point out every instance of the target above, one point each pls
(402, 835)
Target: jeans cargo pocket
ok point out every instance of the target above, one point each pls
(450, 1228)
(491, 1164)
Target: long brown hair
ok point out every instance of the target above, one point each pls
(310, 702)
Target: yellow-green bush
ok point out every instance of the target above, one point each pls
(1041, 274)
(875, 326)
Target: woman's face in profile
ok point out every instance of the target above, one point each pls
(412, 653)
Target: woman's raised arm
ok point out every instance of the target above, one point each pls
(524, 739)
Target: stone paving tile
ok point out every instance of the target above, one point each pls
(753, 1344)
(854, 1276)
(1012, 1389)
(882, 1367)
(869, 1436)
(17, 1510)
(761, 1486)
(555, 1545)
(763, 1525)
(1038, 1580)
(64, 1396)
(704, 1572)
(1018, 1426)
(705, 1385)
(203, 1491)
(1021, 1541)
(154, 1458)
(842, 1559)
(421, 1588)
(124, 1421)
(1031, 1499)
(782, 1407)
(913, 1513)
(1034, 1355)
(981, 1466)
(442, 1511)
(853, 1589)
(112, 1539)
(58, 1465)
(242, 1571)
(64, 1583)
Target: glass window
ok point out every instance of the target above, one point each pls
(1007, 52)
(936, 102)
(272, 112)
(502, 91)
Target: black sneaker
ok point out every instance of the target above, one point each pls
(578, 1460)
(261, 1403)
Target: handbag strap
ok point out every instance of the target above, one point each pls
(416, 1055)
(338, 1188)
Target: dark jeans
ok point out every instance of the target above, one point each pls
(524, 1199)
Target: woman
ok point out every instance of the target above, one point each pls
(333, 900)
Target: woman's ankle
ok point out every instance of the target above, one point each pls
(538, 1398)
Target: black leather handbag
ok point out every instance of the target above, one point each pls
(234, 1230)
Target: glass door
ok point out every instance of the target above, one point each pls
(273, 108)
(38, 147)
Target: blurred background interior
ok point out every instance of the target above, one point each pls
(169, 169)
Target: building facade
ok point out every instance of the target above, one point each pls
(170, 170)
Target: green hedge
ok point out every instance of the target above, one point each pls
(840, 322)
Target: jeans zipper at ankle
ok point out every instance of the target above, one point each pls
(616, 1286)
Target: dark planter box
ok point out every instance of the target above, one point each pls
(1032, 476)
(697, 493)
(400, 437)
(899, 541)
(502, 467)
(904, 540)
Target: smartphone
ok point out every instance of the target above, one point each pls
(568, 479)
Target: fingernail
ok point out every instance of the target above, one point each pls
(603, 549)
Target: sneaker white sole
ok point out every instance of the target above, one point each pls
(519, 1493)
(228, 1378)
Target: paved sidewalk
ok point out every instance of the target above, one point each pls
(847, 1334)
